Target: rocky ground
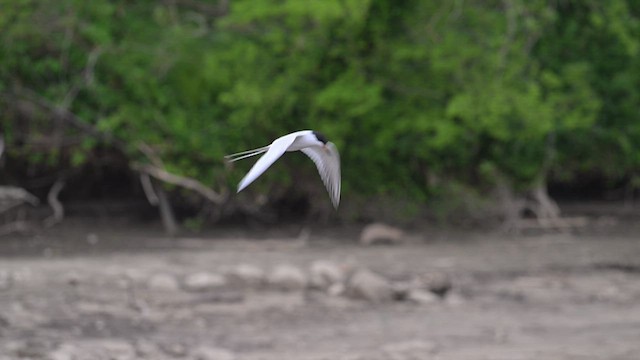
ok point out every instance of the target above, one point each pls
(116, 292)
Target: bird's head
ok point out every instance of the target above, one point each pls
(322, 139)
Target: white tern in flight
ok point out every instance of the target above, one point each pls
(313, 144)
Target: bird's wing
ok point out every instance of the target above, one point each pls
(327, 161)
(275, 151)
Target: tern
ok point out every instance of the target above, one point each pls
(312, 143)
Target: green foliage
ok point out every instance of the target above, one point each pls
(409, 90)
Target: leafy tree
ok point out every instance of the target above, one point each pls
(418, 95)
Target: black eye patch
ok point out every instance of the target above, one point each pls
(320, 137)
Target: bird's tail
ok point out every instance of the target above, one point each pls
(245, 154)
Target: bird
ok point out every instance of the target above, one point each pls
(315, 145)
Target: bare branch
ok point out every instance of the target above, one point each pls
(16, 194)
(150, 154)
(147, 187)
(166, 211)
(86, 80)
(187, 183)
(63, 114)
(56, 205)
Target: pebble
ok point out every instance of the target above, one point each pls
(163, 282)
(246, 275)
(378, 233)
(369, 286)
(437, 283)
(287, 277)
(326, 274)
(421, 296)
(203, 281)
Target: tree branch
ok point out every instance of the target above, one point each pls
(56, 205)
(62, 114)
(187, 183)
(156, 170)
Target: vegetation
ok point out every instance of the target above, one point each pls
(418, 95)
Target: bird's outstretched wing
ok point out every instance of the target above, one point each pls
(275, 151)
(327, 161)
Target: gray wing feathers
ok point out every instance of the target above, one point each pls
(328, 164)
(276, 149)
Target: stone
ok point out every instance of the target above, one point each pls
(287, 277)
(437, 283)
(421, 296)
(203, 281)
(163, 282)
(369, 286)
(246, 275)
(325, 275)
(212, 353)
(378, 233)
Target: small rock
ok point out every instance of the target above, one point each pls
(325, 274)
(203, 281)
(401, 289)
(287, 277)
(379, 233)
(163, 282)
(420, 296)
(211, 353)
(246, 275)
(437, 283)
(370, 286)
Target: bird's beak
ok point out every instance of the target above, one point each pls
(326, 149)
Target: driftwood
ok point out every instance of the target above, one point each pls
(13, 198)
